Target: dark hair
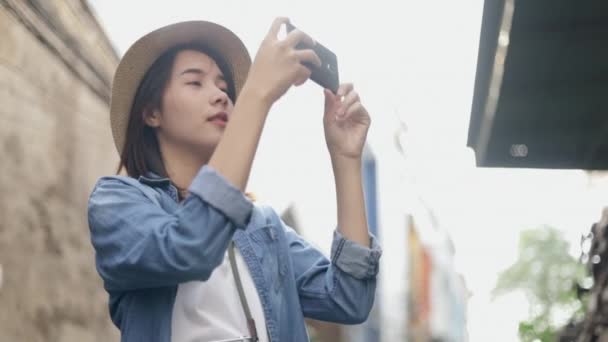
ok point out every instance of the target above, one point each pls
(141, 153)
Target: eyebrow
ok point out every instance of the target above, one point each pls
(199, 72)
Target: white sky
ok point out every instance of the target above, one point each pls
(415, 60)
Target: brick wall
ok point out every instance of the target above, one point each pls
(55, 71)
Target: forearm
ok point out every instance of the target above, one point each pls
(233, 156)
(352, 219)
(340, 289)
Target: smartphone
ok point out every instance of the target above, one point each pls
(327, 75)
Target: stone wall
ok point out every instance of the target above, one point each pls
(56, 66)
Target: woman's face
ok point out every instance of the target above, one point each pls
(195, 106)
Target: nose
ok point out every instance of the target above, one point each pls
(219, 97)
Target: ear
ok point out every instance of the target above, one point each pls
(152, 117)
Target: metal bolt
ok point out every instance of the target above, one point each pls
(519, 150)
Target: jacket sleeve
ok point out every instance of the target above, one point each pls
(140, 245)
(340, 289)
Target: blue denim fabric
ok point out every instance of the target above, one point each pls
(147, 243)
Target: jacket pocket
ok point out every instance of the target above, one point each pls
(270, 249)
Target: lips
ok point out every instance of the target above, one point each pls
(220, 117)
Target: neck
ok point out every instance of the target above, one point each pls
(181, 164)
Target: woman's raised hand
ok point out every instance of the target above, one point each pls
(278, 64)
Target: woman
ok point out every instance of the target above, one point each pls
(184, 254)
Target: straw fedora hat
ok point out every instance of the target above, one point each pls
(144, 52)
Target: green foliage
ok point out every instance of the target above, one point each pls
(536, 330)
(547, 275)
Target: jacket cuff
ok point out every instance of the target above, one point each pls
(214, 189)
(359, 261)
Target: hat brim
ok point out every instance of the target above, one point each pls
(145, 51)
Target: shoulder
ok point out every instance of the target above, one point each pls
(119, 188)
(115, 184)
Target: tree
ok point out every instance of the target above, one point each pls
(547, 275)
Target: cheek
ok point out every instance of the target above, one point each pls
(182, 112)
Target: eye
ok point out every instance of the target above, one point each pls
(194, 83)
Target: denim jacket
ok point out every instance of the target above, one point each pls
(147, 243)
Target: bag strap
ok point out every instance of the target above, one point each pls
(237, 278)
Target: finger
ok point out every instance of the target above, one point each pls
(275, 28)
(355, 109)
(351, 98)
(308, 56)
(302, 75)
(331, 102)
(344, 89)
(296, 37)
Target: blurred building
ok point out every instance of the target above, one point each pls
(56, 66)
(419, 297)
(437, 295)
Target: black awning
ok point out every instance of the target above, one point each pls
(546, 106)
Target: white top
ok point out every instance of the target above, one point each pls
(212, 310)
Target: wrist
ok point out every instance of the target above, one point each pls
(252, 94)
(342, 162)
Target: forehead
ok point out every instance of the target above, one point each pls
(187, 59)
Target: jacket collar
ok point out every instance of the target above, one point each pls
(152, 179)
